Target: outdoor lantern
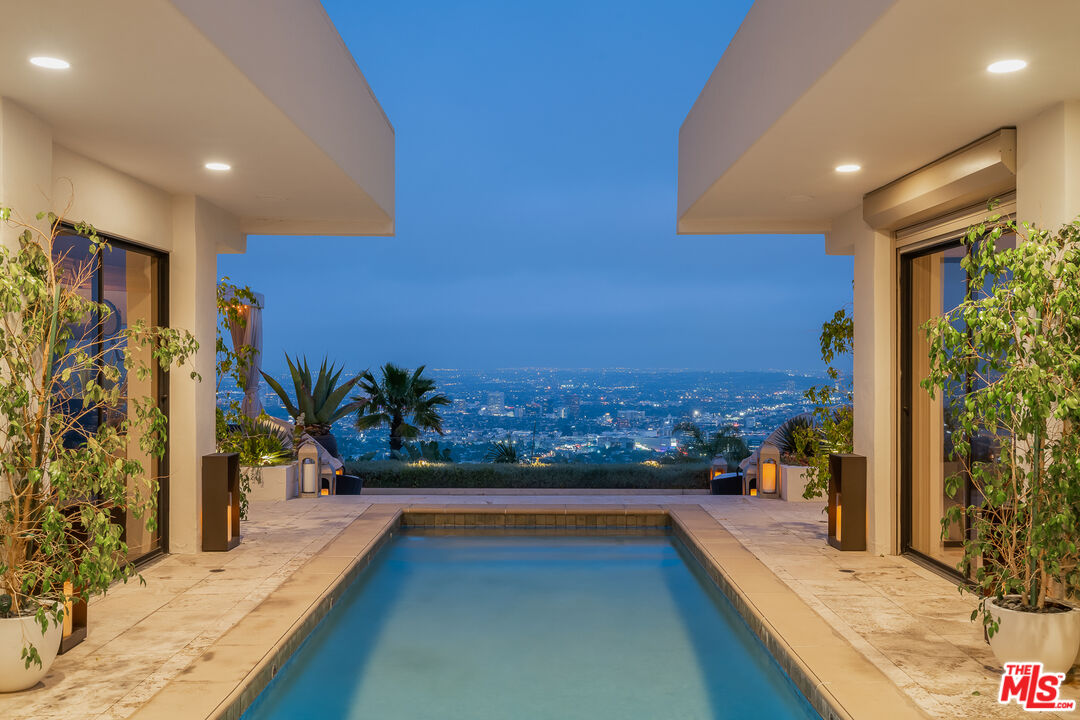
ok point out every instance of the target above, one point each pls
(220, 502)
(847, 502)
(768, 470)
(310, 468)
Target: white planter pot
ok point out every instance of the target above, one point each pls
(15, 634)
(269, 484)
(1050, 638)
(793, 482)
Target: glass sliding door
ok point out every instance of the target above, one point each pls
(129, 281)
(933, 282)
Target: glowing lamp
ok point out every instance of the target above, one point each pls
(753, 492)
(768, 477)
(769, 470)
(839, 508)
(310, 468)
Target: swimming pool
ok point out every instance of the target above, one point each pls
(478, 625)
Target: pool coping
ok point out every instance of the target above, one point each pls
(838, 681)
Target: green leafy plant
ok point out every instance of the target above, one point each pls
(318, 404)
(403, 400)
(727, 442)
(833, 425)
(502, 451)
(63, 480)
(387, 473)
(1007, 363)
(260, 442)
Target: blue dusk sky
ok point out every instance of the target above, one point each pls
(536, 178)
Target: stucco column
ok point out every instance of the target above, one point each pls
(874, 377)
(199, 230)
(1048, 166)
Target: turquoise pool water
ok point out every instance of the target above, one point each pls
(485, 626)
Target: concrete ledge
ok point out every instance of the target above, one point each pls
(532, 492)
(535, 516)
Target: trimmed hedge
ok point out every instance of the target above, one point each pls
(393, 474)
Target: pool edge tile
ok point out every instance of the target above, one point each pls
(369, 532)
(742, 578)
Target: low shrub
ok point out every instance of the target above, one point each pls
(392, 474)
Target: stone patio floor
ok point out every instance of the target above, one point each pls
(911, 623)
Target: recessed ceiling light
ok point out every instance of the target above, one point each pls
(1006, 66)
(219, 166)
(848, 168)
(50, 62)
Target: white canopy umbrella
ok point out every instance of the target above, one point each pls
(250, 334)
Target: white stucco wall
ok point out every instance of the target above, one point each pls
(1048, 166)
(111, 201)
(25, 165)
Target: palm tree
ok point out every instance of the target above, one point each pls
(726, 442)
(397, 397)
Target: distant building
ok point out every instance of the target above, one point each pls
(496, 403)
(629, 418)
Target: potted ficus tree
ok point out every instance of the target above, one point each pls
(1007, 363)
(65, 480)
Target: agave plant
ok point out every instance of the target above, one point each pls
(796, 437)
(318, 404)
(502, 452)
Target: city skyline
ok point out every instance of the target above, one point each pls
(597, 415)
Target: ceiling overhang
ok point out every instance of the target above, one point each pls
(891, 85)
(157, 88)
